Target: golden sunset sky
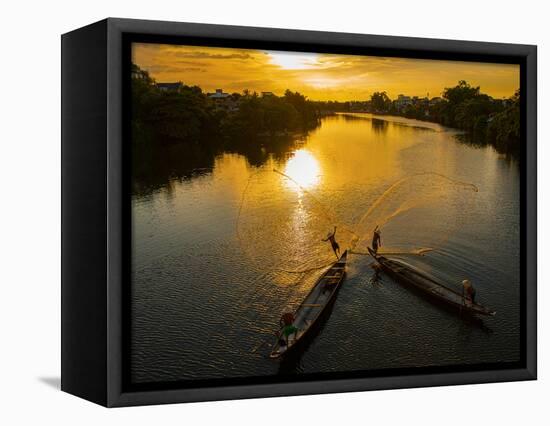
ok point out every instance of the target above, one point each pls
(318, 76)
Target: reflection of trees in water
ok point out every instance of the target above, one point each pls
(379, 126)
(510, 153)
(155, 168)
(469, 140)
(352, 117)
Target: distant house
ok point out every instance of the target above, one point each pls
(224, 101)
(170, 87)
(403, 101)
(139, 74)
(435, 101)
(218, 94)
(266, 94)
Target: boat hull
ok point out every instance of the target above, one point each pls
(429, 288)
(298, 348)
(315, 307)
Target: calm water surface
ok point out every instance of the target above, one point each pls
(216, 256)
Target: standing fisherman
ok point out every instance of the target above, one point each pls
(376, 241)
(333, 243)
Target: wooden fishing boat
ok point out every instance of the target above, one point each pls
(429, 287)
(310, 311)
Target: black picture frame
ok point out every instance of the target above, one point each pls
(96, 211)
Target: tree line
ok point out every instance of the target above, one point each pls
(485, 120)
(188, 115)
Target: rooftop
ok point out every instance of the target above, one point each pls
(170, 86)
(218, 94)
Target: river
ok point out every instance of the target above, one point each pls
(218, 255)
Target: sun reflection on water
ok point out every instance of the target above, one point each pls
(304, 169)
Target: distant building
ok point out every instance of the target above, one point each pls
(218, 94)
(225, 101)
(170, 87)
(419, 100)
(436, 100)
(139, 74)
(266, 94)
(403, 101)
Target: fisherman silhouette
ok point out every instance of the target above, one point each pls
(376, 240)
(333, 243)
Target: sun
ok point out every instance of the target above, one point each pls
(294, 60)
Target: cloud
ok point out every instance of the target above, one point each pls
(206, 55)
(160, 69)
(318, 76)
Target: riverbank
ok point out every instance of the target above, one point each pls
(501, 131)
(484, 119)
(391, 118)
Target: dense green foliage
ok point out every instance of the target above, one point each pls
(187, 115)
(503, 131)
(380, 101)
(267, 115)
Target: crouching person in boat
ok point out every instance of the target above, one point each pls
(287, 328)
(330, 237)
(376, 240)
(468, 291)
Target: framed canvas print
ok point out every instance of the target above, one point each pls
(253, 212)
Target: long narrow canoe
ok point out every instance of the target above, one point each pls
(313, 307)
(428, 286)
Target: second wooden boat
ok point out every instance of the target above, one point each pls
(428, 286)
